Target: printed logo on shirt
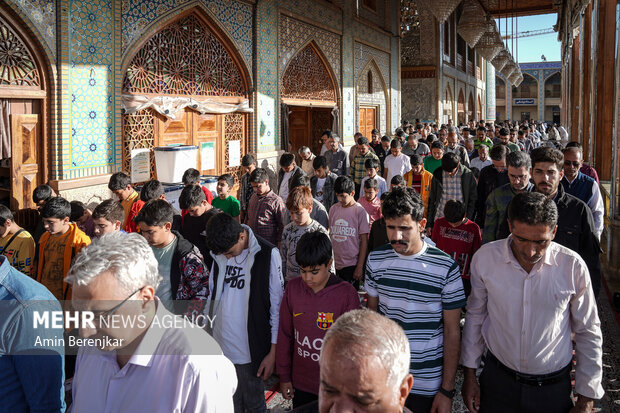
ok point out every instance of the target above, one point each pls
(341, 230)
(457, 234)
(324, 320)
(234, 277)
(297, 314)
(308, 349)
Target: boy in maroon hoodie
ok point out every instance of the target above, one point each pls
(310, 305)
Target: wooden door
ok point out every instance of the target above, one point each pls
(24, 159)
(368, 121)
(321, 120)
(207, 129)
(299, 126)
(176, 131)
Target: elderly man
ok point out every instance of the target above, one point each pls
(154, 353)
(307, 157)
(454, 147)
(337, 158)
(364, 365)
(531, 299)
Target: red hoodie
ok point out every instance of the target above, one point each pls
(304, 320)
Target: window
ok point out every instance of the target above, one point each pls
(370, 90)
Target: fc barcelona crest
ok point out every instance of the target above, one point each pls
(325, 320)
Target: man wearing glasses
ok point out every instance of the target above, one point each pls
(144, 358)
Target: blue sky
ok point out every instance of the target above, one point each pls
(531, 48)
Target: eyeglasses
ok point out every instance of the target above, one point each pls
(105, 314)
(574, 164)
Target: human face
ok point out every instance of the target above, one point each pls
(479, 134)
(465, 134)
(4, 229)
(370, 194)
(483, 152)
(123, 194)
(499, 165)
(404, 234)
(198, 210)
(376, 137)
(315, 276)
(572, 163)
(238, 247)
(324, 138)
(260, 188)
(332, 144)
(469, 145)
(547, 177)
(395, 152)
(452, 139)
(503, 139)
(320, 172)
(346, 199)
(442, 136)
(156, 236)
(371, 172)
(288, 168)
(301, 216)
(363, 149)
(513, 136)
(223, 189)
(305, 155)
(357, 386)
(529, 242)
(103, 226)
(385, 144)
(56, 226)
(412, 143)
(519, 177)
(437, 153)
(249, 169)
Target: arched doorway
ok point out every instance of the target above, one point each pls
(24, 97)
(309, 94)
(372, 100)
(460, 108)
(470, 108)
(447, 104)
(500, 99)
(188, 59)
(525, 103)
(553, 98)
(479, 109)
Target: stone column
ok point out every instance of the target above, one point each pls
(491, 110)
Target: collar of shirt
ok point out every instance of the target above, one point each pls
(547, 259)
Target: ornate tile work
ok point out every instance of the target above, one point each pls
(42, 13)
(91, 59)
(315, 10)
(234, 16)
(293, 34)
(378, 97)
(491, 107)
(418, 50)
(268, 107)
(377, 17)
(415, 95)
(364, 53)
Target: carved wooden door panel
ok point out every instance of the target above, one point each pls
(321, 120)
(24, 159)
(176, 131)
(299, 126)
(207, 129)
(368, 121)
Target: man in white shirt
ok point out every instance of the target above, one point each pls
(531, 298)
(396, 163)
(453, 146)
(142, 357)
(483, 159)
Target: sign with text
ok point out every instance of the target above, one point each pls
(140, 165)
(525, 101)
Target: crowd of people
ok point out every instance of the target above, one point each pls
(475, 245)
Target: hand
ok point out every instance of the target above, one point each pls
(583, 405)
(441, 404)
(358, 273)
(267, 366)
(287, 390)
(471, 391)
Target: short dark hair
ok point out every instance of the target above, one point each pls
(400, 134)
(403, 201)
(300, 180)
(371, 163)
(532, 208)
(314, 248)
(454, 211)
(155, 213)
(518, 159)
(259, 175)
(42, 193)
(344, 185)
(385, 138)
(327, 132)
(287, 159)
(319, 162)
(482, 128)
(416, 159)
(504, 132)
(498, 152)
(574, 144)
(546, 154)
(437, 145)
(191, 176)
(119, 180)
(152, 189)
(5, 214)
(371, 184)
(56, 207)
(449, 161)
(77, 210)
(230, 180)
(395, 144)
(362, 140)
(110, 210)
(191, 196)
(227, 229)
(247, 160)
(397, 180)
(374, 131)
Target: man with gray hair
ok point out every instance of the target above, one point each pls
(453, 146)
(137, 348)
(364, 365)
(337, 158)
(307, 157)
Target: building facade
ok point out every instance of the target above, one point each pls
(99, 83)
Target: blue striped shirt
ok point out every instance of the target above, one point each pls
(413, 291)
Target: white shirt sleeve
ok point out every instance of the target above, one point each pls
(276, 291)
(598, 210)
(213, 385)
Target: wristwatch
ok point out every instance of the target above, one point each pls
(449, 394)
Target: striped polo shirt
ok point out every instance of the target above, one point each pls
(413, 291)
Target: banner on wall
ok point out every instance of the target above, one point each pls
(207, 155)
(171, 106)
(234, 153)
(140, 165)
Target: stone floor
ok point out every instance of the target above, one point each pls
(610, 403)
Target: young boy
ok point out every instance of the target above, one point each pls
(370, 201)
(433, 162)
(107, 217)
(184, 275)
(266, 210)
(199, 211)
(192, 177)
(224, 201)
(397, 181)
(83, 218)
(310, 305)
(57, 247)
(322, 183)
(348, 229)
(16, 244)
(372, 166)
(299, 204)
(419, 179)
(458, 237)
(40, 196)
(120, 185)
(396, 163)
(248, 164)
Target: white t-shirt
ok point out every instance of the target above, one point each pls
(320, 183)
(398, 165)
(283, 192)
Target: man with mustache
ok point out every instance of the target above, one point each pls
(576, 228)
(419, 287)
(530, 299)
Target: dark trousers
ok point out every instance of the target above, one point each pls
(346, 274)
(358, 189)
(302, 398)
(500, 392)
(250, 393)
(419, 404)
